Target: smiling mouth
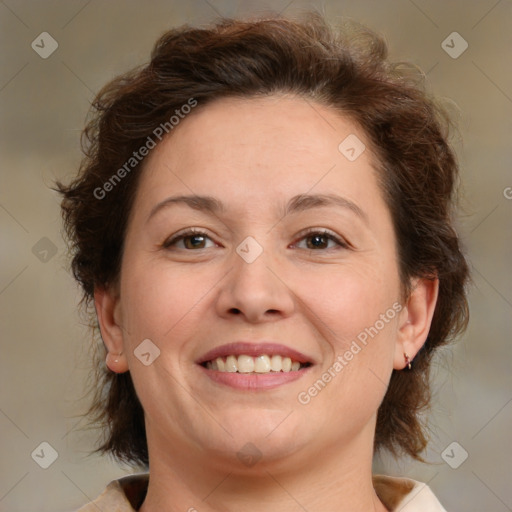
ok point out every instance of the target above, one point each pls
(254, 365)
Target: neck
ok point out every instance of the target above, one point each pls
(339, 479)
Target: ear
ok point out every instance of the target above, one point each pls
(415, 320)
(107, 305)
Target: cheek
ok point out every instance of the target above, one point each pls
(356, 312)
(163, 305)
(346, 300)
(159, 301)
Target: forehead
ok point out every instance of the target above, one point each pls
(284, 145)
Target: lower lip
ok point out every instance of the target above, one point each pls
(254, 381)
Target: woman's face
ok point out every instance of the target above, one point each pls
(291, 260)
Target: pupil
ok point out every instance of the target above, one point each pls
(318, 241)
(195, 241)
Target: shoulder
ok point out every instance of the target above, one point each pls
(405, 494)
(123, 495)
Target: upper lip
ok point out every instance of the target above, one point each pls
(239, 348)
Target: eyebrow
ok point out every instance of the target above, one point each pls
(201, 203)
(305, 202)
(299, 203)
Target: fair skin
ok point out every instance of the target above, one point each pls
(304, 292)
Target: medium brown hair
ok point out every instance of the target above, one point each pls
(345, 69)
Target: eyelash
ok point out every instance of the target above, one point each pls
(310, 232)
(325, 233)
(181, 236)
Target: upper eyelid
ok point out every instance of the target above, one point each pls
(323, 231)
(186, 232)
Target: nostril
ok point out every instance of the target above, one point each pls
(235, 311)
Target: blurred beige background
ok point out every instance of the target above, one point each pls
(44, 359)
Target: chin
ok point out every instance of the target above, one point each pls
(258, 437)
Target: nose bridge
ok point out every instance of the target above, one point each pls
(253, 288)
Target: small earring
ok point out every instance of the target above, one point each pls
(116, 360)
(407, 361)
(111, 359)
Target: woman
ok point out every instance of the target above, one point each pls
(263, 223)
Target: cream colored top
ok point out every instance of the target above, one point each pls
(398, 495)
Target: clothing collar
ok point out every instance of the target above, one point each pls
(398, 495)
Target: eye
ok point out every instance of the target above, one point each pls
(189, 240)
(320, 239)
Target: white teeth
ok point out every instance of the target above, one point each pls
(231, 364)
(276, 363)
(260, 364)
(245, 364)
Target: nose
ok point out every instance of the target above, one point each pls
(255, 291)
